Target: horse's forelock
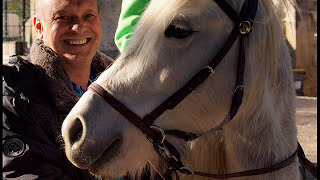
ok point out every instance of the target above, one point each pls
(149, 31)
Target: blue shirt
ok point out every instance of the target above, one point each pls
(79, 89)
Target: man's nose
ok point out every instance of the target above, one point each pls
(77, 26)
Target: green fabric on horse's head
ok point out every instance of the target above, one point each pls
(131, 11)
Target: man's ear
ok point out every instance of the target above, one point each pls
(100, 18)
(38, 26)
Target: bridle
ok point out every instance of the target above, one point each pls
(243, 27)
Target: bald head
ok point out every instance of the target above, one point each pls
(43, 4)
(40, 6)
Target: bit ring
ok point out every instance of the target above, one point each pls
(160, 130)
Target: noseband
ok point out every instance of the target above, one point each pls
(243, 26)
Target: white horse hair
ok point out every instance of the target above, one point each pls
(154, 66)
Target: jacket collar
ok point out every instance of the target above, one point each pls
(57, 79)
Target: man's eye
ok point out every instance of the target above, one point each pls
(89, 16)
(61, 17)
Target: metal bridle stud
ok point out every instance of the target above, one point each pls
(240, 87)
(165, 150)
(245, 27)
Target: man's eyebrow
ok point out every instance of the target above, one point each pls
(63, 11)
(90, 10)
(60, 11)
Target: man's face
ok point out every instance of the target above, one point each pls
(71, 28)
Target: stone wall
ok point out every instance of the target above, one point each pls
(110, 11)
(306, 51)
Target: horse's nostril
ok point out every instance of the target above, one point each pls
(76, 131)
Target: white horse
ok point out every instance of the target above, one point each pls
(155, 65)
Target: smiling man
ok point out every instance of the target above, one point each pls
(72, 29)
(39, 92)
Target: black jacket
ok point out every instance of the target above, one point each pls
(30, 148)
(33, 111)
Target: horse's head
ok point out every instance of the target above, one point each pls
(173, 40)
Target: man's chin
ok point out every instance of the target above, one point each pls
(79, 58)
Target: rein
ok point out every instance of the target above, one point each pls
(242, 28)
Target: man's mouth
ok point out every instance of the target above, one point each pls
(77, 42)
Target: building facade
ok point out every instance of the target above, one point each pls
(306, 45)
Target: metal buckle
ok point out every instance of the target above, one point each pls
(167, 152)
(162, 133)
(245, 27)
(188, 169)
(238, 87)
(161, 146)
(210, 68)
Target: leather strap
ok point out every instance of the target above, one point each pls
(306, 163)
(123, 110)
(178, 96)
(232, 14)
(253, 172)
(248, 12)
(187, 136)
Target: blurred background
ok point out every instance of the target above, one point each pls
(300, 30)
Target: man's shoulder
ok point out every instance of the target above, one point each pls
(18, 68)
(21, 77)
(18, 71)
(19, 61)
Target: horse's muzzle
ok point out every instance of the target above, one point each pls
(84, 147)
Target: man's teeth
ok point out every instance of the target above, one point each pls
(77, 42)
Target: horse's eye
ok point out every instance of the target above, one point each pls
(178, 32)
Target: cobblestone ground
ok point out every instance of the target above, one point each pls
(306, 120)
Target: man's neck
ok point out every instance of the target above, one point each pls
(80, 78)
(78, 74)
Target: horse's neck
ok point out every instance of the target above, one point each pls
(263, 137)
(207, 155)
(263, 132)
